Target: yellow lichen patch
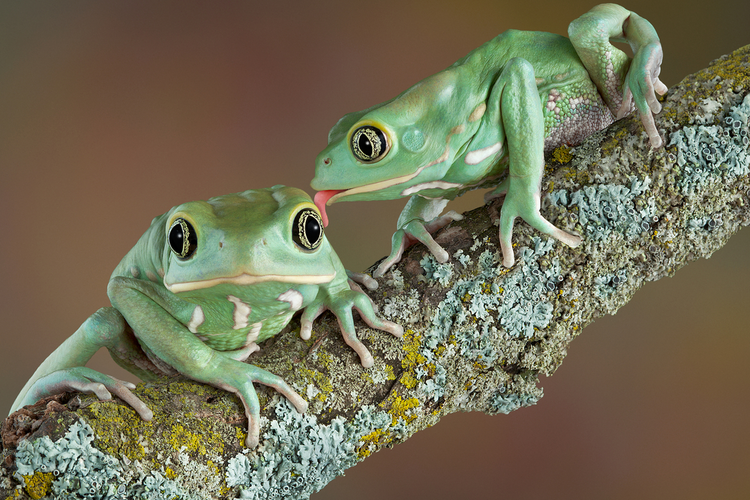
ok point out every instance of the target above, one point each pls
(119, 430)
(319, 380)
(371, 442)
(562, 154)
(38, 484)
(411, 345)
(324, 358)
(389, 372)
(400, 408)
(181, 438)
(612, 143)
(187, 386)
(213, 467)
(169, 473)
(732, 69)
(240, 433)
(408, 380)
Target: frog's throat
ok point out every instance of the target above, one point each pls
(250, 279)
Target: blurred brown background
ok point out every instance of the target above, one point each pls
(112, 112)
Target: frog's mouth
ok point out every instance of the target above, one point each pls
(245, 279)
(326, 197)
(322, 198)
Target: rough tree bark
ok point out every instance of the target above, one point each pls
(477, 335)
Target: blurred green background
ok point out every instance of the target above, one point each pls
(112, 112)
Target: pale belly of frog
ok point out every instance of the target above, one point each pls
(237, 325)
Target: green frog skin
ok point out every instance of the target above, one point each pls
(493, 113)
(206, 283)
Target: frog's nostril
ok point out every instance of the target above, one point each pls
(327, 161)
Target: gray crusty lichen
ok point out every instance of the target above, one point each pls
(477, 335)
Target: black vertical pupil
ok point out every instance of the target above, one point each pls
(182, 238)
(307, 229)
(175, 239)
(365, 145)
(312, 229)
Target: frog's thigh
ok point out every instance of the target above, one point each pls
(522, 120)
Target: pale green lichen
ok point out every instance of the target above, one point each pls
(433, 270)
(606, 284)
(476, 311)
(705, 223)
(525, 306)
(396, 280)
(506, 403)
(81, 470)
(298, 456)
(606, 208)
(714, 153)
(403, 308)
(462, 258)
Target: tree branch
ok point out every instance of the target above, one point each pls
(478, 335)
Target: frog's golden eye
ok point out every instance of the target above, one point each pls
(369, 144)
(182, 239)
(307, 229)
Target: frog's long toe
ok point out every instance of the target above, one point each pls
(89, 381)
(346, 324)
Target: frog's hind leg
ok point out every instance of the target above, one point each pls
(64, 369)
(520, 111)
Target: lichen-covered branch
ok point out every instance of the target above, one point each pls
(477, 335)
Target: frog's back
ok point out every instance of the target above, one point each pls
(572, 106)
(550, 55)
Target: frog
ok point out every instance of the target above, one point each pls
(487, 121)
(203, 286)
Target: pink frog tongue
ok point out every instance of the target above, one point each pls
(321, 198)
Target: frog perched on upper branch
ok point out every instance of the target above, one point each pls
(498, 109)
(206, 283)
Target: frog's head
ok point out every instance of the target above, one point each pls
(257, 236)
(382, 152)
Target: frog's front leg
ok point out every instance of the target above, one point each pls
(169, 340)
(64, 369)
(622, 82)
(523, 122)
(340, 300)
(419, 218)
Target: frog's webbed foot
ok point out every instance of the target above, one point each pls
(240, 382)
(90, 381)
(417, 231)
(640, 88)
(527, 207)
(341, 305)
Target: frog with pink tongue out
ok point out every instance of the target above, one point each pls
(487, 121)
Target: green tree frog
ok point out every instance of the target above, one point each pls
(498, 109)
(206, 283)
